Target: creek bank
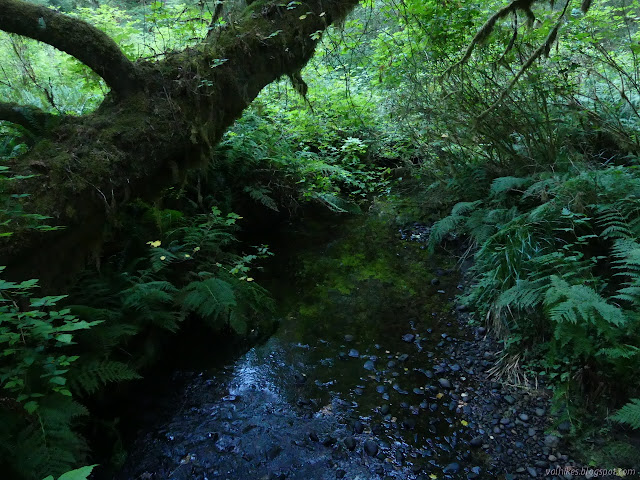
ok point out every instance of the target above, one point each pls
(374, 373)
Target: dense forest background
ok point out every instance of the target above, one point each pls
(514, 125)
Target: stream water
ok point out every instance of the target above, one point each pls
(365, 378)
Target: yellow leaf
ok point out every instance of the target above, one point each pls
(163, 258)
(440, 395)
(249, 279)
(464, 423)
(302, 17)
(155, 244)
(433, 476)
(186, 255)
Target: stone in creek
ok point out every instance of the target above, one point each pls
(418, 391)
(524, 417)
(358, 427)
(409, 337)
(409, 423)
(371, 448)
(391, 364)
(348, 338)
(428, 374)
(433, 407)
(482, 330)
(532, 471)
(273, 451)
(381, 389)
(329, 440)
(451, 468)
(350, 443)
(509, 399)
(444, 383)
(358, 391)
(230, 398)
(385, 409)
(435, 281)
(455, 367)
(551, 441)
(540, 412)
(369, 365)
(404, 357)
(313, 436)
(353, 353)
(476, 442)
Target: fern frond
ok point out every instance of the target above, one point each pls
(504, 184)
(90, 377)
(629, 414)
(208, 298)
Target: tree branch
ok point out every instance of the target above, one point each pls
(73, 36)
(31, 118)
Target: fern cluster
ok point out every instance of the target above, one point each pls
(557, 268)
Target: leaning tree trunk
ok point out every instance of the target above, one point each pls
(159, 119)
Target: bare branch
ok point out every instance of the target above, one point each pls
(76, 37)
(31, 118)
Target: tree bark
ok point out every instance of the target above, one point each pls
(167, 121)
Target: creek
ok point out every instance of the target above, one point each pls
(372, 373)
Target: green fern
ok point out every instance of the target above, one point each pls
(574, 303)
(629, 414)
(505, 184)
(89, 377)
(210, 299)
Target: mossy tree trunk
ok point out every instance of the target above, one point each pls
(158, 120)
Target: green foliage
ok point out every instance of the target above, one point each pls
(81, 473)
(629, 414)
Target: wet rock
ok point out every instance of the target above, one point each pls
(524, 417)
(476, 442)
(532, 471)
(482, 331)
(348, 338)
(409, 337)
(509, 399)
(353, 353)
(358, 427)
(329, 441)
(404, 357)
(451, 468)
(444, 383)
(551, 441)
(391, 364)
(564, 427)
(350, 443)
(313, 436)
(540, 412)
(369, 365)
(358, 391)
(435, 281)
(273, 451)
(384, 410)
(340, 473)
(409, 423)
(371, 448)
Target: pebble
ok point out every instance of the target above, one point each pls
(509, 399)
(358, 427)
(451, 468)
(371, 448)
(348, 338)
(350, 443)
(353, 353)
(409, 337)
(444, 383)
(369, 365)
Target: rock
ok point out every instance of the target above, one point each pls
(482, 331)
(313, 436)
(553, 458)
(451, 468)
(532, 471)
(531, 432)
(524, 417)
(329, 441)
(358, 391)
(435, 281)
(340, 473)
(273, 451)
(385, 409)
(371, 448)
(540, 412)
(369, 365)
(404, 357)
(358, 427)
(409, 337)
(381, 388)
(353, 353)
(348, 338)
(564, 427)
(391, 364)
(509, 399)
(444, 383)
(551, 441)
(476, 442)
(350, 443)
